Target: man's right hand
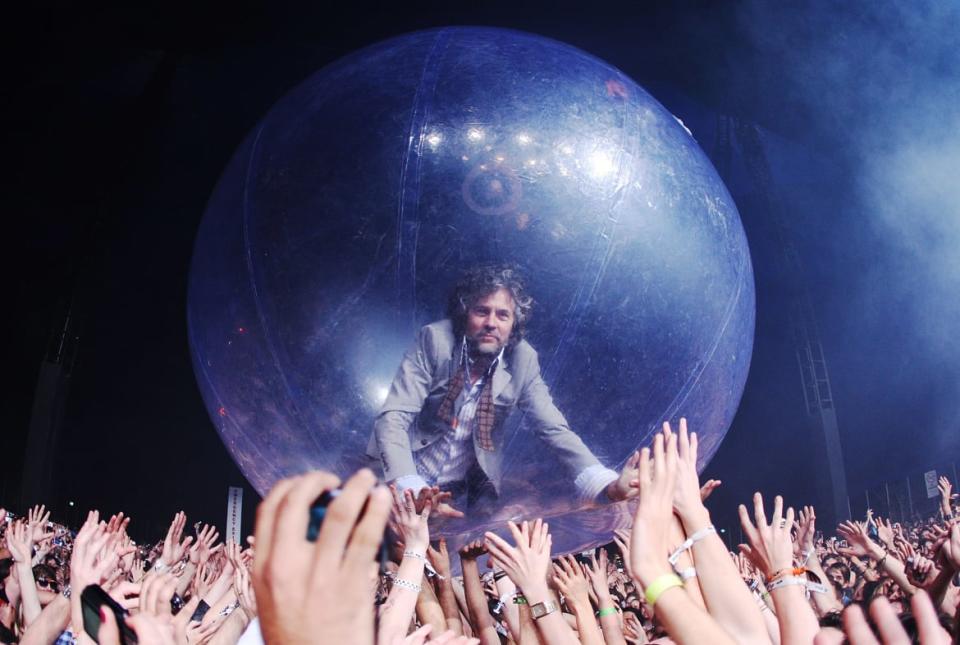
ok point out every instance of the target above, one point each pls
(440, 501)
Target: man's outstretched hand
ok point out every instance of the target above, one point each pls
(439, 500)
(626, 485)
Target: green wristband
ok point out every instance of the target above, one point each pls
(661, 584)
(519, 600)
(609, 611)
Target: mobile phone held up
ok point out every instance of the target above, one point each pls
(318, 513)
(91, 600)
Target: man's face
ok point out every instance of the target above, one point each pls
(489, 322)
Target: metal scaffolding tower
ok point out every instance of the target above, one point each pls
(814, 376)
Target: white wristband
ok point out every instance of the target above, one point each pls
(690, 541)
(687, 574)
(789, 580)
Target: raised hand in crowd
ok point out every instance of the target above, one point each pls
(860, 545)
(320, 592)
(527, 563)
(708, 487)
(477, 612)
(596, 572)
(621, 538)
(633, 629)
(680, 584)
(572, 582)
(38, 518)
(711, 578)
(243, 588)
(771, 550)
(174, 544)
(96, 554)
(439, 501)
(945, 488)
(440, 560)
(683, 619)
(413, 533)
(886, 534)
(20, 544)
(118, 524)
(824, 598)
(204, 546)
(889, 629)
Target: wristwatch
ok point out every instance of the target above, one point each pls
(542, 609)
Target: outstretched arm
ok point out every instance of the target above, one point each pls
(683, 619)
(480, 619)
(549, 424)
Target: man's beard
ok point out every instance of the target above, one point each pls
(484, 351)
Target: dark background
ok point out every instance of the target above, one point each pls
(117, 121)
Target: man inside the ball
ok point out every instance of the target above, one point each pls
(441, 431)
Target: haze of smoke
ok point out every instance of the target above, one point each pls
(884, 82)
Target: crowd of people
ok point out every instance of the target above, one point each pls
(368, 572)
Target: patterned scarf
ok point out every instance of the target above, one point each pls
(486, 413)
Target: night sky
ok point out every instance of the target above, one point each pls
(118, 120)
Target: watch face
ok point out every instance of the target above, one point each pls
(543, 608)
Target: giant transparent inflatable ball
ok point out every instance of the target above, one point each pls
(347, 215)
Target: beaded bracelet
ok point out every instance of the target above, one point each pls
(406, 584)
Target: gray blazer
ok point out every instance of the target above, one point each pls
(408, 419)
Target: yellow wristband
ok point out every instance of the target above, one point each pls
(656, 588)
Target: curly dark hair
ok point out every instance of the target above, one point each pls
(483, 280)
